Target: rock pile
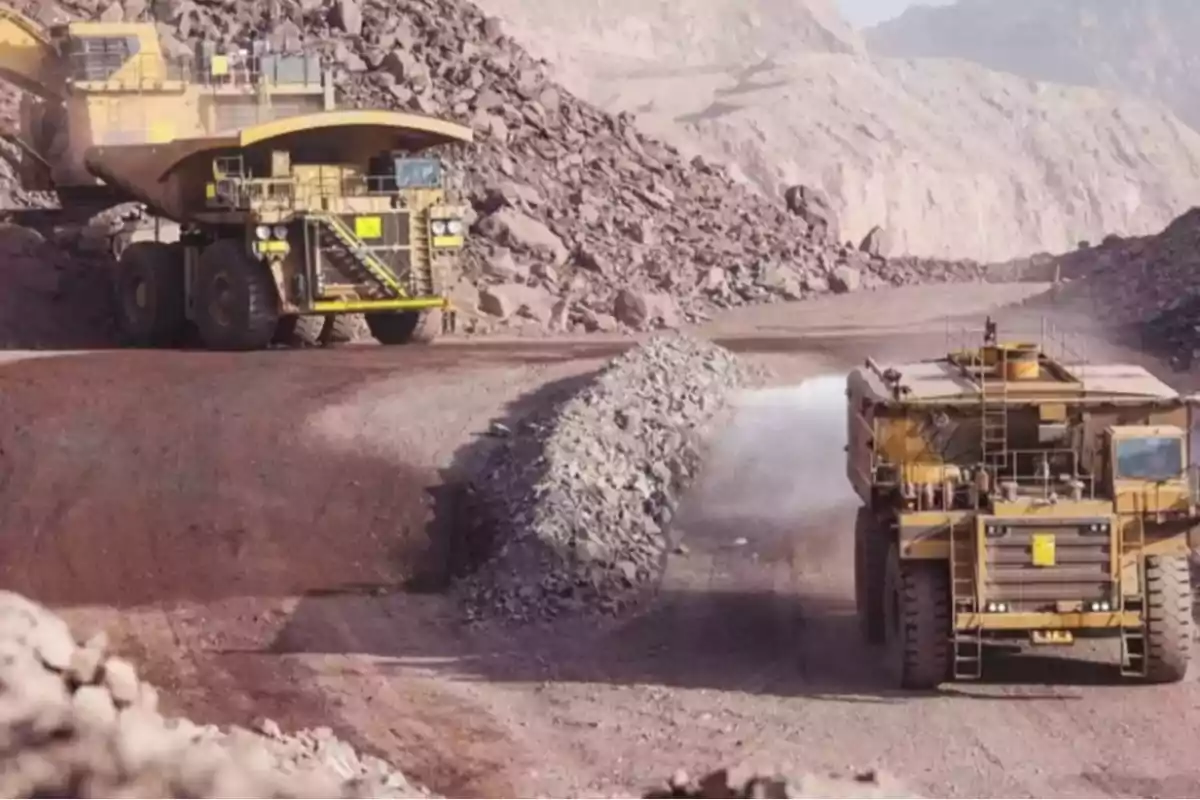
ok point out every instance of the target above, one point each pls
(1144, 287)
(748, 782)
(77, 722)
(583, 223)
(52, 293)
(578, 500)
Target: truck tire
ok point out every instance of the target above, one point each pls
(295, 330)
(917, 626)
(403, 327)
(149, 294)
(236, 303)
(1168, 618)
(342, 329)
(870, 564)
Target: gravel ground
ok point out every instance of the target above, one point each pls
(260, 534)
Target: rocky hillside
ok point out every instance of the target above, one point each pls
(583, 222)
(1145, 48)
(1148, 287)
(951, 158)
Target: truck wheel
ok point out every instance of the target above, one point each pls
(343, 329)
(236, 303)
(295, 330)
(149, 294)
(870, 563)
(916, 600)
(403, 327)
(1168, 618)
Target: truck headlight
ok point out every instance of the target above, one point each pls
(454, 227)
(262, 233)
(438, 226)
(280, 231)
(1097, 528)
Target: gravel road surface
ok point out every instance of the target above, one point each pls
(265, 535)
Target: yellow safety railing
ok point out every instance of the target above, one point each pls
(243, 192)
(141, 70)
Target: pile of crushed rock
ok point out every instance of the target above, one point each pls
(76, 721)
(583, 223)
(578, 500)
(1144, 288)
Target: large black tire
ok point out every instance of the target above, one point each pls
(342, 329)
(870, 564)
(1168, 618)
(236, 303)
(918, 624)
(404, 327)
(294, 330)
(149, 289)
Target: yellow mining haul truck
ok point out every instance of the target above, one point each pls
(291, 212)
(319, 214)
(1007, 494)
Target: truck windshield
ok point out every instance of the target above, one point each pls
(418, 173)
(1151, 458)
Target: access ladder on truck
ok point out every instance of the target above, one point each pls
(967, 643)
(1134, 663)
(351, 256)
(965, 600)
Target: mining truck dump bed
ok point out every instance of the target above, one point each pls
(172, 178)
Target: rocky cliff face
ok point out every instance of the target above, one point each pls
(949, 157)
(1146, 48)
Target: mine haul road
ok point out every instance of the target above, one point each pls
(261, 531)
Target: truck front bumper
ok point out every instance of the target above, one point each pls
(1047, 620)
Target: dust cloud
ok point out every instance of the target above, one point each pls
(778, 467)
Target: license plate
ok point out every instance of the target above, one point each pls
(1043, 550)
(1052, 637)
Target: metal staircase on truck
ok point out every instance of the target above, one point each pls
(353, 258)
(1134, 662)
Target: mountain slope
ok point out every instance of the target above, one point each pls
(1146, 48)
(951, 158)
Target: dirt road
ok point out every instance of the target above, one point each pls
(261, 531)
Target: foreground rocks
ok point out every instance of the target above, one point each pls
(582, 222)
(578, 500)
(76, 721)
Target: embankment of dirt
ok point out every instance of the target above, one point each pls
(578, 501)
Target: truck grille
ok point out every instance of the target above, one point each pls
(1081, 570)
